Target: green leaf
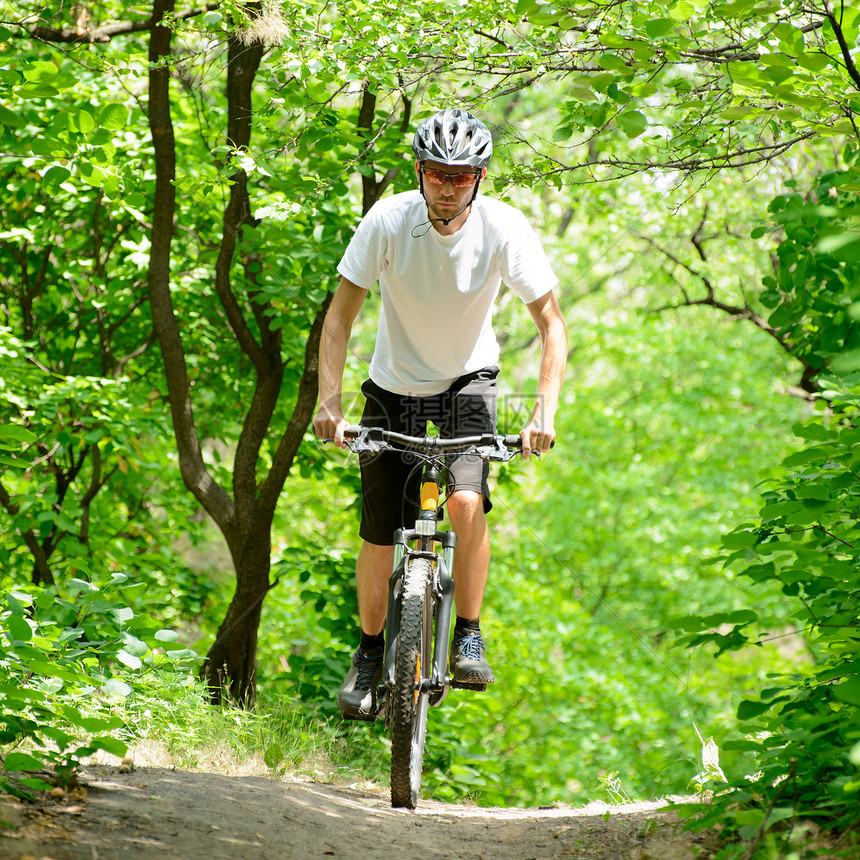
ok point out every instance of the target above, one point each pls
(849, 691)
(809, 455)
(813, 62)
(846, 362)
(11, 119)
(134, 646)
(748, 709)
(98, 724)
(15, 761)
(659, 27)
(844, 245)
(113, 117)
(114, 746)
(36, 783)
(813, 431)
(115, 687)
(21, 694)
(82, 121)
(41, 71)
(743, 112)
(631, 122)
(740, 539)
(19, 628)
(17, 432)
(128, 659)
(55, 176)
(82, 586)
(613, 61)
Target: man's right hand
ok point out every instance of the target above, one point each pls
(330, 424)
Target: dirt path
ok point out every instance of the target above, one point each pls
(181, 815)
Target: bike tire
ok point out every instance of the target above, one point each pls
(412, 664)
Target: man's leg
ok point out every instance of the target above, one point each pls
(472, 557)
(372, 572)
(357, 698)
(383, 477)
(469, 664)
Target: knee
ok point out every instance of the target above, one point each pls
(465, 506)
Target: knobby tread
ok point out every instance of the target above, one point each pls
(408, 716)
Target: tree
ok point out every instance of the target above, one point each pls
(269, 355)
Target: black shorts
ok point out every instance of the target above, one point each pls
(467, 408)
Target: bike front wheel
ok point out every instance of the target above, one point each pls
(412, 665)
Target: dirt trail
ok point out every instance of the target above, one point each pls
(181, 815)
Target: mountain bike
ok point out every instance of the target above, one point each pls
(420, 597)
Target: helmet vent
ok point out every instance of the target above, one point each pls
(453, 137)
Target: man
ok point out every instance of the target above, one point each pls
(439, 254)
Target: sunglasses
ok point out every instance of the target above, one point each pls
(439, 177)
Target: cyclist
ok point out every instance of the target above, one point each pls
(439, 254)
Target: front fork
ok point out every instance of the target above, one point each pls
(443, 595)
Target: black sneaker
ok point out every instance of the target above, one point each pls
(357, 697)
(469, 666)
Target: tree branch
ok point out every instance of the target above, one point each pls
(843, 45)
(108, 31)
(242, 64)
(302, 413)
(194, 472)
(42, 574)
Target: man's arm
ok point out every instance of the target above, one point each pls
(345, 305)
(540, 431)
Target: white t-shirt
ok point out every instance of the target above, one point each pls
(438, 291)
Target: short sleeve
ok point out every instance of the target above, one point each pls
(362, 261)
(525, 266)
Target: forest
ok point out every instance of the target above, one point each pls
(674, 594)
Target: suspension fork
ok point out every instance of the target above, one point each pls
(392, 619)
(443, 593)
(426, 535)
(445, 582)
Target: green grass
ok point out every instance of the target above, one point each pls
(171, 725)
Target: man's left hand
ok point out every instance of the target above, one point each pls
(536, 439)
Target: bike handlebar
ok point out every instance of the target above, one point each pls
(434, 442)
(373, 439)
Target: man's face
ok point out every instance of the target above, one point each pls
(446, 200)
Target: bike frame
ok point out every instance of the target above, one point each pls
(442, 586)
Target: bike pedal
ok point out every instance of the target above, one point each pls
(362, 718)
(462, 685)
(437, 698)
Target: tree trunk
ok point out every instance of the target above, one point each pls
(230, 668)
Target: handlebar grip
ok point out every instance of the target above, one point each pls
(512, 441)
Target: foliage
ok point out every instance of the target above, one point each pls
(802, 728)
(66, 655)
(683, 85)
(312, 625)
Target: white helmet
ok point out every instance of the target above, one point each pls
(453, 137)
